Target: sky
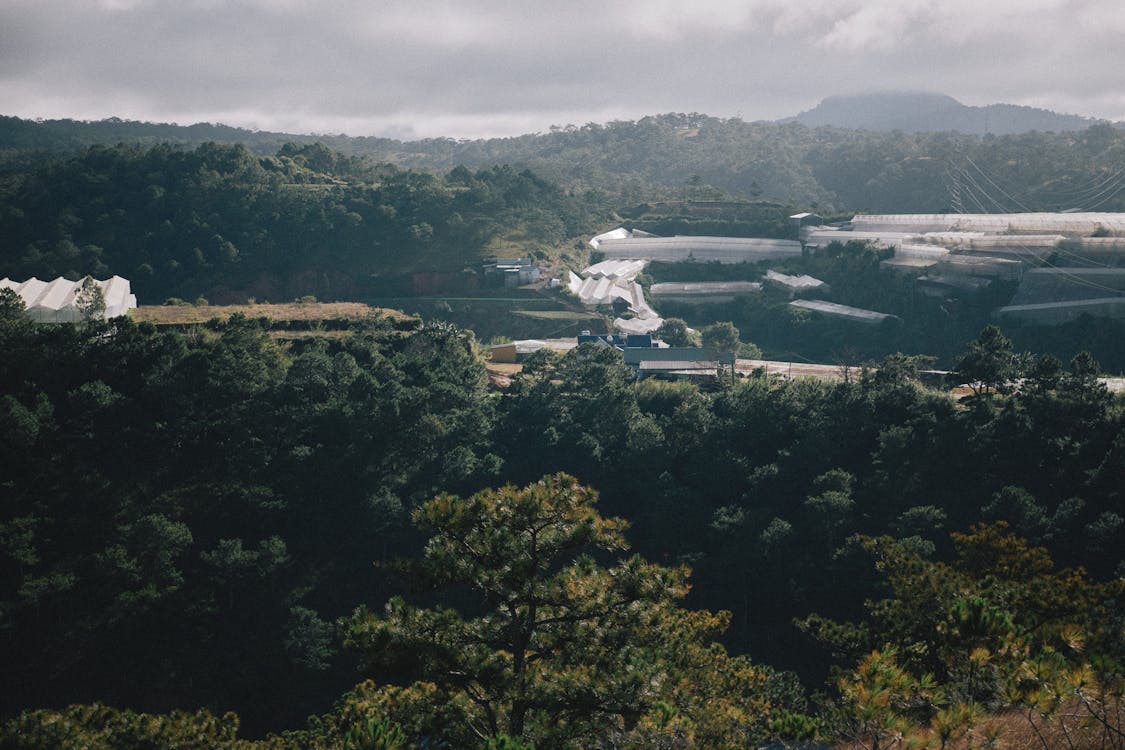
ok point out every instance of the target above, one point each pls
(481, 68)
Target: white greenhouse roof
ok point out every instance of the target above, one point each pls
(1079, 224)
(637, 325)
(885, 238)
(528, 346)
(841, 311)
(919, 251)
(613, 234)
(55, 301)
(1062, 312)
(981, 265)
(616, 269)
(1016, 240)
(680, 288)
(1049, 285)
(687, 248)
(908, 264)
(613, 279)
(796, 283)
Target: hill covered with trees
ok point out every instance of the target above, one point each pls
(828, 168)
(188, 514)
(221, 221)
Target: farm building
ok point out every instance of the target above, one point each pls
(907, 266)
(937, 285)
(515, 351)
(613, 282)
(980, 265)
(821, 237)
(621, 244)
(702, 293)
(680, 362)
(1042, 285)
(844, 312)
(793, 285)
(57, 301)
(1069, 224)
(1057, 295)
(1055, 313)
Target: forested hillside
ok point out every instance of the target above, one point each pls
(220, 221)
(212, 519)
(187, 515)
(831, 169)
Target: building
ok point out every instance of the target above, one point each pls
(842, 312)
(613, 282)
(684, 249)
(511, 272)
(681, 362)
(57, 301)
(515, 351)
(793, 285)
(702, 293)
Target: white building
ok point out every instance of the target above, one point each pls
(56, 301)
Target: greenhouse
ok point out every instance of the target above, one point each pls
(1070, 224)
(613, 280)
(978, 265)
(57, 301)
(844, 312)
(907, 265)
(920, 251)
(702, 249)
(616, 269)
(821, 237)
(699, 293)
(1055, 313)
(1046, 285)
(794, 285)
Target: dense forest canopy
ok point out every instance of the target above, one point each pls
(220, 220)
(187, 514)
(190, 517)
(832, 169)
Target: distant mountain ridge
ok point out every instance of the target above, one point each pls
(696, 156)
(920, 112)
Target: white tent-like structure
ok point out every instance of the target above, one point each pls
(1070, 224)
(56, 301)
(602, 283)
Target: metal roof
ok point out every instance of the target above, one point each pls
(55, 301)
(688, 248)
(704, 287)
(841, 311)
(1014, 223)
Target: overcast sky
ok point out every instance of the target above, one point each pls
(473, 68)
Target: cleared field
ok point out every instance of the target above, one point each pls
(187, 315)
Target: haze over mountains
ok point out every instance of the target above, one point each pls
(921, 112)
(911, 112)
(1043, 160)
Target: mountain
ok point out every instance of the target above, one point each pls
(676, 156)
(920, 112)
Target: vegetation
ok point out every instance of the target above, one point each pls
(184, 315)
(187, 515)
(191, 511)
(565, 652)
(219, 222)
(697, 157)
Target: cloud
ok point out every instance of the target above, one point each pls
(439, 67)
